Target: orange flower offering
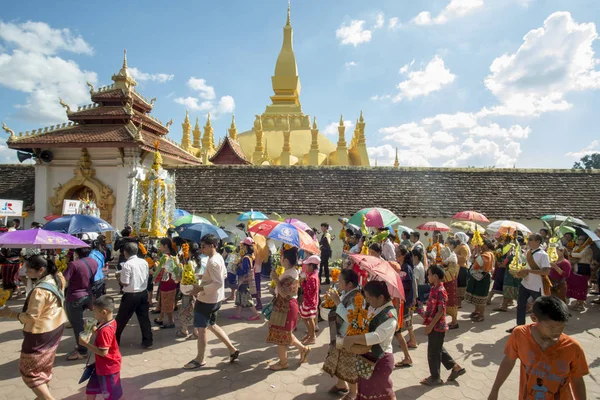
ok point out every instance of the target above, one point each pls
(359, 318)
(328, 303)
(186, 250)
(438, 254)
(142, 249)
(150, 262)
(335, 274)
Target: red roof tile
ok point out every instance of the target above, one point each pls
(235, 147)
(74, 136)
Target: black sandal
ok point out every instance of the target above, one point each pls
(234, 356)
(455, 374)
(195, 365)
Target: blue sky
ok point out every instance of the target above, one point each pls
(447, 82)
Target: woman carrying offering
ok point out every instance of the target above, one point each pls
(340, 362)
(463, 255)
(581, 259)
(310, 302)
(245, 276)
(284, 316)
(376, 345)
(43, 320)
(168, 276)
(559, 273)
(451, 270)
(478, 285)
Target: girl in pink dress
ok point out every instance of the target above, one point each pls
(310, 287)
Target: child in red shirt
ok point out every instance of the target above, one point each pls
(310, 304)
(106, 379)
(552, 364)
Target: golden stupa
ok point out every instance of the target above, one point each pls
(283, 134)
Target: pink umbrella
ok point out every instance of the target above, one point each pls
(433, 226)
(381, 270)
(471, 216)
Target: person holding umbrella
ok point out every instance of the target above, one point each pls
(284, 316)
(325, 245)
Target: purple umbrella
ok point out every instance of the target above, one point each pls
(300, 225)
(39, 239)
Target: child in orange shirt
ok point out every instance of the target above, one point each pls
(552, 364)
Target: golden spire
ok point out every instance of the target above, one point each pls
(286, 83)
(157, 164)
(208, 140)
(187, 127)
(124, 58)
(286, 137)
(341, 144)
(288, 23)
(396, 162)
(314, 144)
(233, 129)
(197, 134)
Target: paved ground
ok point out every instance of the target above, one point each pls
(157, 374)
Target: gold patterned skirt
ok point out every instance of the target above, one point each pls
(341, 364)
(283, 320)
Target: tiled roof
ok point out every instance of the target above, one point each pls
(118, 94)
(101, 111)
(167, 147)
(78, 136)
(74, 136)
(17, 182)
(409, 192)
(235, 148)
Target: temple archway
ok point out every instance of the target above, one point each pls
(83, 184)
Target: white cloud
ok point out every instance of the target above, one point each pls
(332, 129)
(430, 142)
(206, 100)
(404, 69)
(353, 33)
(432, 78)
(29, 63)
(380, 21)
(40, 38)
(454, 9)
(553, 60)
(592, 148)
(143, 76)
(393, 23)
(7, 156)
(204, 91)
(350, 64)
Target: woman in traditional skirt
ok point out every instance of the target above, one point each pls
(376, 345)
(168, 276)
(510, 288)
(341, 363)
(463, 255)
(43, 320)
(451, 269)
(247, 283)
(478, 285)
(284, 316)
(577, 284)
(501, 253)
(404, 259)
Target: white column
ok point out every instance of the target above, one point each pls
(42, 192)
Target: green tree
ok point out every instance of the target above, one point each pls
(591, 161)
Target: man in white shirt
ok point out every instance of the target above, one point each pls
(134, 279)
(417, 244)
(532, 285)
(209, 295)
(388, 250)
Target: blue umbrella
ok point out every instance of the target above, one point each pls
(195, 232)
(179, 213)
(252, 216)
(78, 223)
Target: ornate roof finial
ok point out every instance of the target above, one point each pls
(125, 58)
(8, 130)
(341, 120)
(187, 117)
(314, 126)
(233, 122)
(65, 105)
(361, 119)
(396, 162)
(208, 120)
(289, 13)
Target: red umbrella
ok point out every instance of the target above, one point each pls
(433, 226)
(286, 233)
(471, 216)
(381, 270)
(51, 217)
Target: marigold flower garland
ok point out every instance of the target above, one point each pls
(335, 274)
(279, 271)
(358, 318)
(328, 303)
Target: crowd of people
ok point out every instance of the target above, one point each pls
(184, 284)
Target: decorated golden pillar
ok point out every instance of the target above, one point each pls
(342, 148)
(286, 153)
(154, 204)
(197, 134)
(313, 154)
(396, 161)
